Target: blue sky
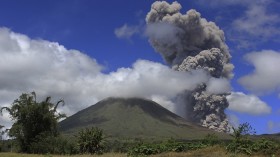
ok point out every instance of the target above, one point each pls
(89, 26)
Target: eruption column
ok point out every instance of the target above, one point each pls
(188, 42)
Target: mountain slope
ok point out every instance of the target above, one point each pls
(133, 118)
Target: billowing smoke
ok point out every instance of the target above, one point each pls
(188, 42)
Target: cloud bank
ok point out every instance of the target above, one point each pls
(50, 69)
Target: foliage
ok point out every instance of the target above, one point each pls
(265, 146)
(1, 136)
(32, 118)
(167, 146)
(47, 144)
(90, 140)
(242, 130)
(1, 132)
(211, 140)
(241, 143)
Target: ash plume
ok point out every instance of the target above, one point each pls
(188, 42)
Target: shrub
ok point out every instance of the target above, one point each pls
(91, 140)
(265, 146)
(241, 143)
(167, 146)
(45, 144)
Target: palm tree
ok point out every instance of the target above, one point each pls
(32, 119)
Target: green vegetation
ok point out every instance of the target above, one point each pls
(1, 136)
(33, 122)
(1, 132)
(91, 141)
(168, 146)
(243, 144)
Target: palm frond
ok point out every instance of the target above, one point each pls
(59, 102)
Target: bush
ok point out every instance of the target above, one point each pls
(265, 146)
(91, 141)
(45, 144)
(167, 146)
(243, 145)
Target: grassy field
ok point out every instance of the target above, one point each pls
(214, 151)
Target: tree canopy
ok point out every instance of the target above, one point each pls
(33, 119)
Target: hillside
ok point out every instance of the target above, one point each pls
(133, 118)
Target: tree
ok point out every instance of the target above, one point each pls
(241, 143)
(90, 140)
(1, 136)
(1, 132)
(32, 119)
(242, 130)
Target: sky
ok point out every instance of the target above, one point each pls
(86, 50)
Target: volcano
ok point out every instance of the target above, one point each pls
(133, 118)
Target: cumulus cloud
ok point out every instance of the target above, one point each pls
(250, 104)
(258, 22)
(126, 31)
(50, 69)
(265, 77)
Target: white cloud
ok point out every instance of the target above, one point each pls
(50, 69)
(250, 104)
(126, 32)
(218, 86)
(165, 102)
(258, 22)
(265, 77)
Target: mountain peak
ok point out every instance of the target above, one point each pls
(133, 118)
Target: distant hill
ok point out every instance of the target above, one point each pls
(275, 136)
(133, 118)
